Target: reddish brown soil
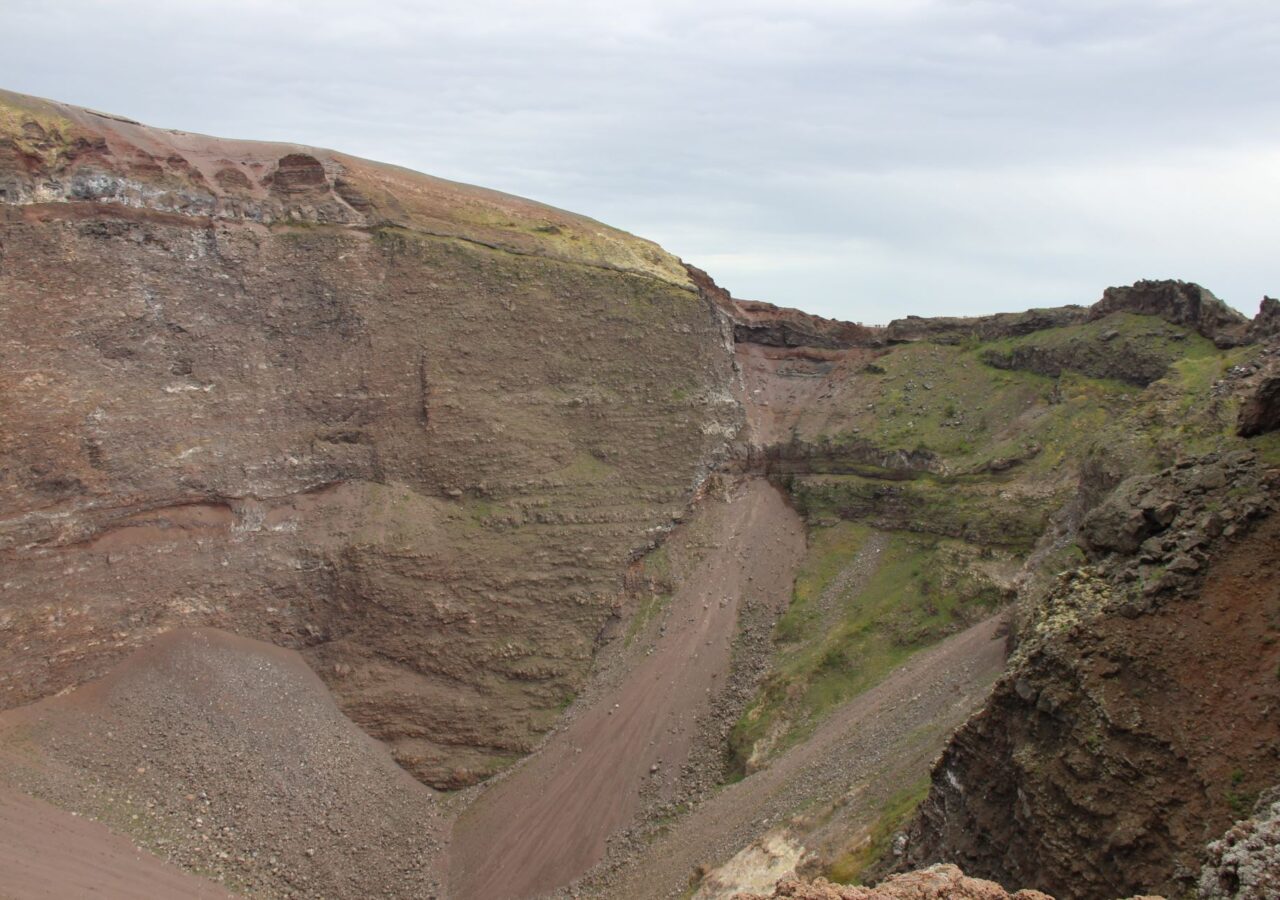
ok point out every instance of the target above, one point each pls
(552, 819)
(228, 756)
(49, 854)
(413, 429)
(878, 743)
(781, 384)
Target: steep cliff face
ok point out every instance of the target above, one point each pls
(433, 437)
(414, 428)
(1137, 719)
(940, 463)
(946, 466)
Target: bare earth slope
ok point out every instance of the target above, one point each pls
(827, 789)
(551, 819)
(49, 854)
(228, 756)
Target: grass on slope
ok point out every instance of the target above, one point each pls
(1011, 441)
(947, 398)
(980, 510)
(919, 590)
(930, 579)
(848, 868)
(974, 413)
(1126, 347)
(941, 398)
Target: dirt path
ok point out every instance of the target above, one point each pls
(879, 742)
(551, 819)
(48, 853)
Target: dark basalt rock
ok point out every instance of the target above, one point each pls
(1260, 412)
(1135, 715)
(1266, 324)
(1179, 302)
(953, 330)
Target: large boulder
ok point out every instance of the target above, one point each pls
(1179, 302)
(1260, 410)
(1244, 864)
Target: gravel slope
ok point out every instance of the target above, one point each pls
(553, 818)
(49, 854)
(229, 756)
(880, 741)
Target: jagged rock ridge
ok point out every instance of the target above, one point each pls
(1135, 718)
(431, 436)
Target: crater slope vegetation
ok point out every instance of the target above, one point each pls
(363, 532)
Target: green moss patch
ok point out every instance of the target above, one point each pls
(916, 591)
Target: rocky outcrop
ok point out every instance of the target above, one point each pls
(1197, 500)
(1260, 407)
(1179, 302)
(1266, 324)
(1244, 864)
(775, 326)
(934, 883)
(953, 330)
(1135, 362)
(1135, 719)
(297, 173)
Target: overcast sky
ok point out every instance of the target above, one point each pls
(862, 159)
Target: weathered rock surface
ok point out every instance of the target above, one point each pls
(1260, 410)
(773, 326)
(1266, 324)
(1244, 864)
(416, 429)
(941, 882)
(1136, 362)
(1137, 715)
(953, 329)
(1179, 302)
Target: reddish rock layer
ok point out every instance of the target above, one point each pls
(416, 429)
